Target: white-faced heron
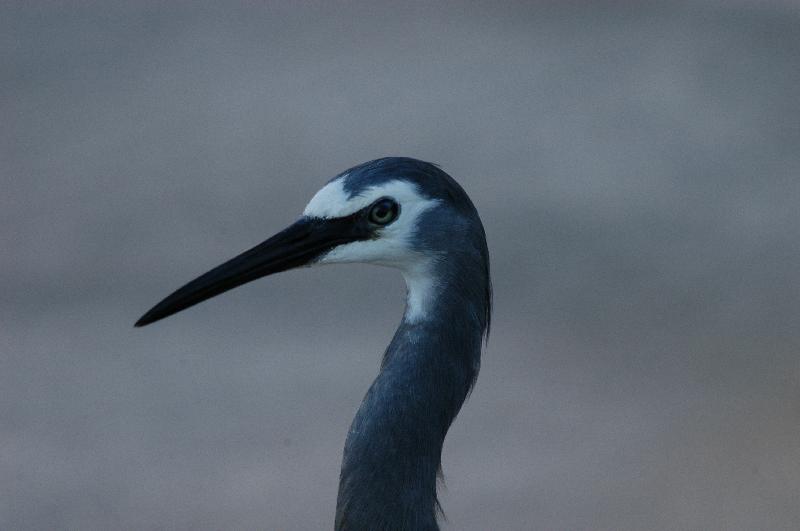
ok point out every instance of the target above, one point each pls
(410, 215)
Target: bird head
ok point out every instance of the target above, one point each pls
(396, 212)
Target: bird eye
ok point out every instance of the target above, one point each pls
(384, 211)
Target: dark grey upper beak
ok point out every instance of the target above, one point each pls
(299, 244)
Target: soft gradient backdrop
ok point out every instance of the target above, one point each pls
(637, 167)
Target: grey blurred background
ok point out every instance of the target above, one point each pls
(637, 167)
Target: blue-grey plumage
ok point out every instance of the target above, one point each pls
(411, 215)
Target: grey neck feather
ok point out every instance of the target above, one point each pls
(393, 451)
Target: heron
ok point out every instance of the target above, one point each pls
(409, 215)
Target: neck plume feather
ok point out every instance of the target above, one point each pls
(393, 451)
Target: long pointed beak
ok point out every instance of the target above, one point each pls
(297, 245)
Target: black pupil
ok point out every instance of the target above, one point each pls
(383, 212)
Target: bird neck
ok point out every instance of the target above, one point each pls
(393, 450)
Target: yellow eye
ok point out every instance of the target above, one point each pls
(384, 211)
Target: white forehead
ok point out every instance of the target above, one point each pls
(332, 201)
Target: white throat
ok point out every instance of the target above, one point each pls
(421, 286)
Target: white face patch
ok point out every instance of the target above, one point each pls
(333, 202)
(393, 246)
(330, 202)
